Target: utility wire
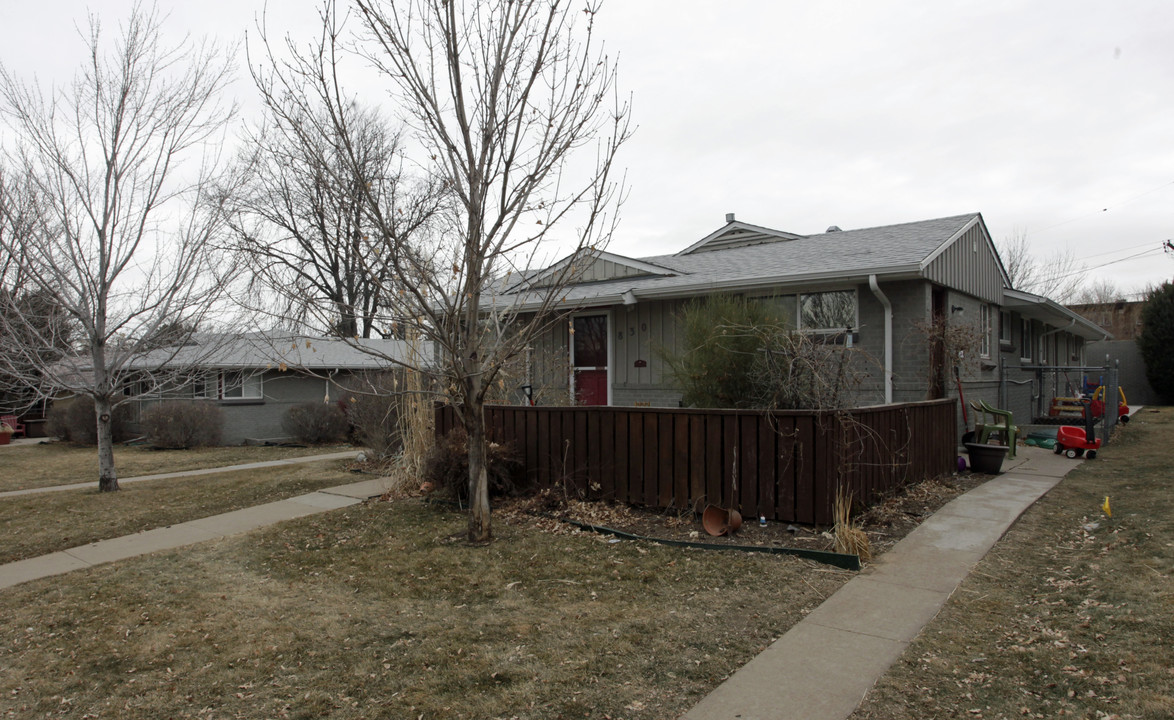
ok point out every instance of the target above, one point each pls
(1083, 270)
(1105, 209)
(1124, 249)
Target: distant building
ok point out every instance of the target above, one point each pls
(1121, 319)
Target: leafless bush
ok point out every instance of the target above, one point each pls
(799, 370)
(447, 468)
(375, 420)
(183, 424)
(315, 423)
(75, 420)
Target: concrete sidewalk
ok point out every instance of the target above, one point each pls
(187, 533)
(349, 454)
(822, 667)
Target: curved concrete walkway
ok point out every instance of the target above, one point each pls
(823, 666)
(191, 532)
(187, 473)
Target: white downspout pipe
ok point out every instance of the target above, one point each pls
(872, 284)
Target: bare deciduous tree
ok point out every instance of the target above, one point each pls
(21, 308)
(512, 115)
(502, 96)
(120, 160)
(299, 223)
(1097, 292)
(1057, 276)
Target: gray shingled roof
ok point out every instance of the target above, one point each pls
(253, 351)
(846, 255)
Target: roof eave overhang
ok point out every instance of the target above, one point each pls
(1037, 307)
(615, 297)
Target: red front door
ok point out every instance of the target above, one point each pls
(589, 359)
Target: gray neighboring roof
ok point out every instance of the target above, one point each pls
(259, 351)
(849, 256)
(1037, 307)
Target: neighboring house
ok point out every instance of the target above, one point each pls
(255, 378)
(873, 291)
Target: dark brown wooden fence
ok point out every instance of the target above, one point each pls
(784, 465)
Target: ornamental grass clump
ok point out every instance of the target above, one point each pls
(849, 537)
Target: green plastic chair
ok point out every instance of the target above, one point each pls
(1001, 423)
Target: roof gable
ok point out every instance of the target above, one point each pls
(968, 261)
(589, 265)
(738, 234)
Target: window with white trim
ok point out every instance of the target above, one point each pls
(240, 386)
(825, 313)
(229, 385)
(1005, 329)
(984, 328)
(1025, 339)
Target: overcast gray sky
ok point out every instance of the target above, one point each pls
(1051, 118)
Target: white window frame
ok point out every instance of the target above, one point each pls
(252, 386)
(984, 323)
(1026, 339)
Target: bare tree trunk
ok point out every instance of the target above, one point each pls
(480, 530)
(107, 475)
(497, 96)
(122, 232)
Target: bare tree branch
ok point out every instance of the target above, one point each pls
(122, 162)
(513, 124)
(1057, 276)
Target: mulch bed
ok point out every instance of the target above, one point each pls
(885, 523)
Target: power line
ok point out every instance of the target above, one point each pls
(1098, 267)
(1124, 249)
(1106, 209)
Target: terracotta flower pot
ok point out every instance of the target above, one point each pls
(718, 521)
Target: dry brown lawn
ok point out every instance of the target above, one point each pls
(381, 611)
(32, 525)
(56, 463)
(1071, 615)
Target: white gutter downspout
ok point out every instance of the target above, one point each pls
(872, 284)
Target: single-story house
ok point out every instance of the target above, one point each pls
(256, 377)
(873, 290)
